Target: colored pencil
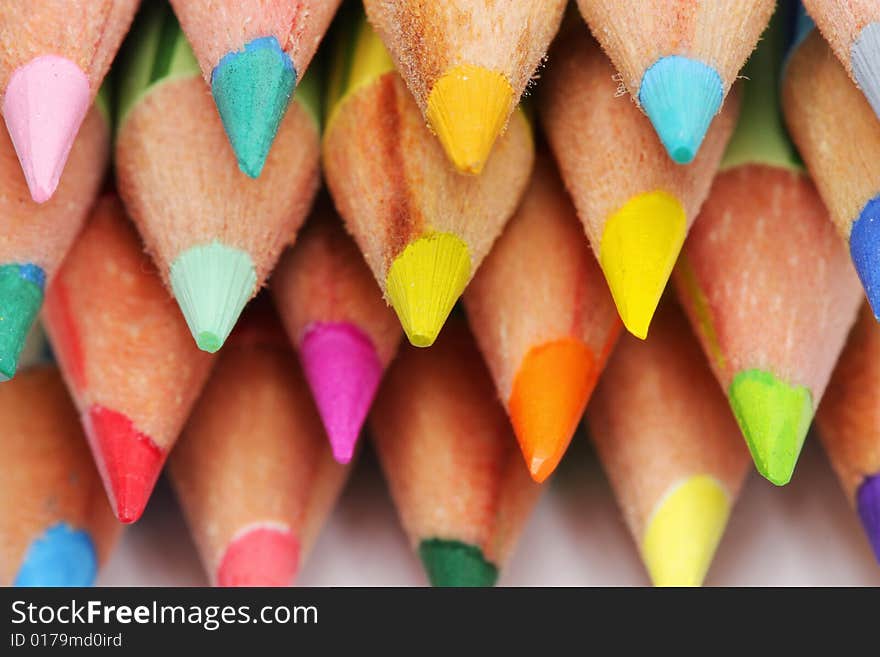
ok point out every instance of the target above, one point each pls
(450, 460)
(670, 447)
(55, 54)
(838, 136)
(466, 62)
(853, 30)
(765, 281)
(848, 423)
(36, 236)
(423, 228)
(55, 527)
(253, 471)
(214, 232)
(543, 319)
(335, 317)
(678, 59)
(252, 53)
(125, 353)
(635, 204)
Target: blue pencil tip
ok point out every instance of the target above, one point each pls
(62, 556)
(681, 96)
(864, 247)
(252, 89)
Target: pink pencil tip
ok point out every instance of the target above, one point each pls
(343, 371)
(129, 461)
(44, 105)
(265, 555)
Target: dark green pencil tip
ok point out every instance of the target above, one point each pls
(21, 295)
(452, 563)
(774, 418)
(252, 89)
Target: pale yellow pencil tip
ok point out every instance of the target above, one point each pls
(425, 281)
(640, 244)
(468, 108)
(684, 531)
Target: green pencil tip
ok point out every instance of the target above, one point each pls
(452, 563)
(21, 296)
(212, 283)
(774, 418)
(252, 89)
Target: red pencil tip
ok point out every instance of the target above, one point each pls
(261, 555)
(128, 460)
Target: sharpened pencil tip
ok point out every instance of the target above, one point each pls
(681, 96)
(44, 105)
(424, 282)
(212, 283)
(252, 89)
(453, 563)
(868, 506)
(864, 248)
(468, 108)
(640, 245)
(343, 372)
(21, 296)
(263, 555)
(774, 418)
(550, 392)
(61, 556)
(865, 58)
(128, 460)
(684, 531)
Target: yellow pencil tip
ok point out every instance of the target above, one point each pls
(640, 245)
(425, 281)
(684, 531)
(468, 108)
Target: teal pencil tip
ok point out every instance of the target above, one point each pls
(774, 418)
(212, 283)
(252, 89)
(453, 563)
(21, 296)
(680, 97)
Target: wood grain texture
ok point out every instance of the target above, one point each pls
(841, 22)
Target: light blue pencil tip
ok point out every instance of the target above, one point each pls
(62, 556)
(252, 89)
(681, 96)
(864, 247)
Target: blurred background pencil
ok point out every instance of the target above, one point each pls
(678, 60)
(423, 228)
(449, 458)
(253, 471)
(466, 62)
(635, 204)
(848, 423)
(853, 30)
(215, 233)
(543, 319)
(670, 447)
(334, 315)
(252, 53)
(125, 353)
(36, 237)
(55, 54)
(55, 526)
(765, 281)
(838, 136)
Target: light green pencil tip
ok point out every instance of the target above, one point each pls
(774, 418)
(212, 283)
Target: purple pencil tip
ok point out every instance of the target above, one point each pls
(868, 504)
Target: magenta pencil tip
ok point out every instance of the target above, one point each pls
(44, 105)
(343, 371)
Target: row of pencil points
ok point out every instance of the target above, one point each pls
(424, 228)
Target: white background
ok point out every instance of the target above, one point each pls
(803, 534)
